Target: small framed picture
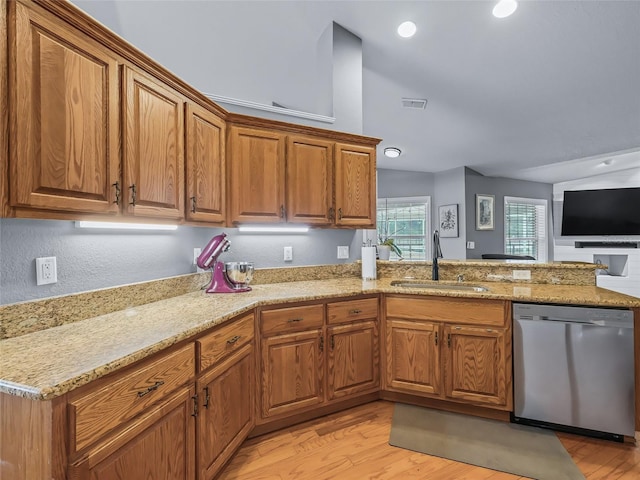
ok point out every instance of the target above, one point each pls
(485, 212)
(448, 220)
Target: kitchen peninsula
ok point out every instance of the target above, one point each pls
(83, 394)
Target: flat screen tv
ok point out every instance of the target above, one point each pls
(614, 211)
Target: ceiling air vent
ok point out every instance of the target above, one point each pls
(417, 103)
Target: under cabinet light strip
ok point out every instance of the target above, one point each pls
(124, 226)
(274, 229)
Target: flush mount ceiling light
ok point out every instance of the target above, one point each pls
(504, 8)
(407, 29)
(392, 152)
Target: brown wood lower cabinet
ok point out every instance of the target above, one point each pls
(427, 354)
(291, 372)
(352, 359)
(225, 396)
(159, 445)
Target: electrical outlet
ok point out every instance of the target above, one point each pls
(196, 254)
(471, 245)
(288, 254)
(46, 270)
(522, 274)
(343, 251)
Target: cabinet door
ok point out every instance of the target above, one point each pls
(256, 168)
(153, 148)
(309, 181)
(158, 445)
(226, 414)
(353, 364)
(355, 176)
(475, 365)
(64, 142)
(291, 371)
(413, 356)
(206, 166)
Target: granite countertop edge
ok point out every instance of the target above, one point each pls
(44, 365)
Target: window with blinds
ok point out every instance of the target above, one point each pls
(406, 220)
(525, 227)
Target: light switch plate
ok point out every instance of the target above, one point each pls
(343, 251)
(288, 254)
(522, 274)
(471, 245)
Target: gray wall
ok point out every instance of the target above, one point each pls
(89, 259)
(492, 241)
(449, 189)
(399, 183)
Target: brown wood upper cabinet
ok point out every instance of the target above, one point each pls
(256, 168)
(205, 166)
(309, 181)
(153, 154)
(313, 181)
(355, 180)
(65, 118)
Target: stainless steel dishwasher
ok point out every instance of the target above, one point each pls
(574, 369)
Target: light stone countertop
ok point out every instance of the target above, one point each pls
(48, 363)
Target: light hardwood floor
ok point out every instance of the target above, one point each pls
(353, 445)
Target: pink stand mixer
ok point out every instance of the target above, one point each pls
(231, 277)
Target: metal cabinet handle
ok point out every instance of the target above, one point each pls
(322, 344)
(332, 213)
(355, 311)
(282, 211)
(193, 204)
(333, 343)
(195, 406)
(340, 214)
(234, 339)
(449, 340)
(436, 339)
(118, 191)
(133, 195)
(206, 398)
(150, 389)
(294, 320)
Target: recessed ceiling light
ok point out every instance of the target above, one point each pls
(407, 29)
(392, 152)
(607, 162)
(504, 8)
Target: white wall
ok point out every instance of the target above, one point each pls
(564, 247)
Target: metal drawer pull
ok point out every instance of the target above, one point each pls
(355, 311)
(436, 339)
(449, 340)
(489, 330)
(151, 388)
(294, 320)
(234, 339)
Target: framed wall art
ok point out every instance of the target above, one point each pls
(448, 220)
(485, 212)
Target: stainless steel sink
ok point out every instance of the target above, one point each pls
(438, 286)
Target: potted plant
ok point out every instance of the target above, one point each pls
(386, 242)
(386, 246)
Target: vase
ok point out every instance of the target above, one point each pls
(384, 251)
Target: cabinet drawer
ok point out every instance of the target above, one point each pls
(224, 341)
(447, 309)
(291, 319)
(96, 413)
(350, 310)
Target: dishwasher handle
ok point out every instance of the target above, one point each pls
(613, 323)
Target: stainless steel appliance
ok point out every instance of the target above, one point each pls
(574, 369)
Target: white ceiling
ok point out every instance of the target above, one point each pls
(545, 94)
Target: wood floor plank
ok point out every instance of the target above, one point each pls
(353, 445)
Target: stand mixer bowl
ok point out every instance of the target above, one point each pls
(239, 274)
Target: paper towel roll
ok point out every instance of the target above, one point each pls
(368, 263)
